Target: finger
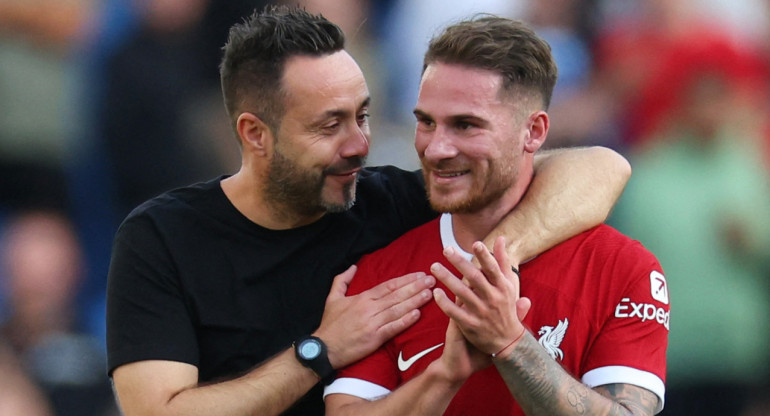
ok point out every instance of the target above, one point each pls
(501, 254)
(504, 260)
(449, 308)
(523, 306)
(389, 311)
(489, 263)
(472, 276)
(402, 287)
(463, 293)
(393, 327)
(341, 282)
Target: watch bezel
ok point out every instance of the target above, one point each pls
(319, 363)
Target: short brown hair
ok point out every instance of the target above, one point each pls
(502, 45)
(257, 50)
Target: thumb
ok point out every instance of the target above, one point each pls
(341, 283)
(523, 305)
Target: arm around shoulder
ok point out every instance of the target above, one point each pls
(573, 189)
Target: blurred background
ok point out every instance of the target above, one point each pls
(106, 103)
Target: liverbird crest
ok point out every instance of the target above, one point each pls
(550, 338)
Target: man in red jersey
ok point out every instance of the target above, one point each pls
(582, 331)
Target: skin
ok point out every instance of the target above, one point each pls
(324, 127)
(539, 384)
(324, 132)
(324, 136)
(464, 130)
(468, 135)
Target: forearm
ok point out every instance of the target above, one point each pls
(572, 191)
(163, 389)
(268, 390)
(542, 387)
(427, 394)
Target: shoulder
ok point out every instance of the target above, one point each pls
(602, 254)
(605, 241)
(404, 255)
(172, 202)
(175, 209)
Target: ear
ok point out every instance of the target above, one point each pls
(255, 135)
(538, 130)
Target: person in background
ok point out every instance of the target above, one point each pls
(707, 222)
(42, 270)
(19, 396)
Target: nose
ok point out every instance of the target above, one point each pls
(356, 143)
(437, 145)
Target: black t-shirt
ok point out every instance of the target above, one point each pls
(193, 280)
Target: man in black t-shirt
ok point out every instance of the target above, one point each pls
(211, 285)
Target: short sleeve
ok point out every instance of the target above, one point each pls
(146, 314)
(631, 347)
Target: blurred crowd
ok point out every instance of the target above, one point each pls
(105, 103)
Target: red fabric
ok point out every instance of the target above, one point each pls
(583, 283)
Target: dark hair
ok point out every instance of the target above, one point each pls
(502, 45)
(257, 50)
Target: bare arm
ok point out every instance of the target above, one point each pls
(352, 328)
(538, 383)
(542, 387)
(427, 394)
(490, 317)
(573, 190)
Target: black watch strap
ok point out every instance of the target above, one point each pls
(318, 360)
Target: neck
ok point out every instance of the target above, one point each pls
(242, 189)
(475, 226)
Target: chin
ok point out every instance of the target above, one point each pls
(446, 200)
(447, 204)
(341, 203)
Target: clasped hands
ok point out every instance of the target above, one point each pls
(486, 317)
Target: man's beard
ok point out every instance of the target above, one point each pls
(301, 190)
(482, 194)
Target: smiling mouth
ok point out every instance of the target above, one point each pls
(451, 174)
(346, 173)
(348, 167)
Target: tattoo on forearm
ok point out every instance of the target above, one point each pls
(576, 397)
(629, 399)
(542, 387)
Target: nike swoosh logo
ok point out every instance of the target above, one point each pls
(404, 365)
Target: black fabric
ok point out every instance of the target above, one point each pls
(193, 280)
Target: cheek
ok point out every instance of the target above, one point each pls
(308, 157)
(420, 143)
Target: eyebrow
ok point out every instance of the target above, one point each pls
(341, 113)
(420, 114)
(454, 118)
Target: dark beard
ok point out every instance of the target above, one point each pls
(301, 191)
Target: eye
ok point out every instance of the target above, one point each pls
(331, 127)
(464, 125)
(425, 123)
(362, 118)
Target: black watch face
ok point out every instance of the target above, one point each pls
(309, 349)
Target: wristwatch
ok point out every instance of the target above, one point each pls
(311, 352)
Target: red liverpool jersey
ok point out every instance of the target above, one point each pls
(599, 307)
